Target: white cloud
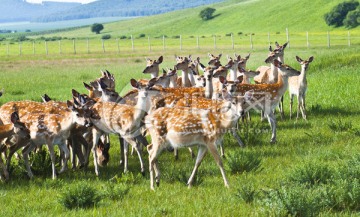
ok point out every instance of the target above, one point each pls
(79, 1)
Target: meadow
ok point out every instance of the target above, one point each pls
(311, 170)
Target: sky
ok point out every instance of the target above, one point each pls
(79, 1)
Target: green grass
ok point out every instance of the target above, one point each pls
(326, 139)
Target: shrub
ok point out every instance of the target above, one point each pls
(240, 33)
(176, 36)
(80, 195)
(340, 126)
(115, 191)
(337, 15)
(247, 193)
(312, 172)
(123, 37)
(241, 161)
(106, 37)
(142, 35)
(347, 194)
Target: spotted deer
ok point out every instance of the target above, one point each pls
(187, 127)
(14, 132)
(241, 64)
(266, 96)
(121, 119)
(187, 77)
(51, 129)
(298, 87)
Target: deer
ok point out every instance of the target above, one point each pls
(187, 77)
(15, 132)
(214, 61)
(266, 96)
(51, 129)
(269, 75)
(121, 119)
(152, 67)
(187, 127)
(298, 87)
(241, 63)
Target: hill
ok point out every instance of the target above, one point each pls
(231, 16)
(122, 8)
(19, 10)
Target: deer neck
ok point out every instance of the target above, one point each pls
(281, 58)
(154, 74)
(233, 74)
(283, 83)
(274, 74)
(141, 108)
(246, 79)
(6, 131)
(173, 81)
(185, 78)
(302, 77)
(209, 89)
(228, 119)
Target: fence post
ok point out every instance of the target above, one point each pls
(269, 38)
(60, 50)
(74, 45)
(163, 42)
(34, 47)
(149, 43)
(251, 42)
(307, 40)
(46, 48)
(328, 39)
(287, 37)
(232, 41)
(103, 45)
(349, 40)
(20, 48)
(132, 42)
(87, 45)
(180, 43)
(214, 41)
(197, 42)
(118, 45)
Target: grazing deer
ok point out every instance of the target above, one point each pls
(121, 119)
(298, 87)
(187, 127)
(266, 96)
(51, 129)
(15, 132)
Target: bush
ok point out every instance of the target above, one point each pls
(352, 19)
(142, 35)
(80, 195)
(207, 13)
(247, 193)
(312, 172)
(115, 191)
(106, 37)
(337, 15)
(241, 161)
(123, 37)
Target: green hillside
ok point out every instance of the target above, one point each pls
(231, 16)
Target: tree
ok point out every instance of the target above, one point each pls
(337, 15)
(207, 13)
(352, 19)
(97, 27)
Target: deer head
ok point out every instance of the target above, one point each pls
(152, 66)
(19, 128)
(214, 60)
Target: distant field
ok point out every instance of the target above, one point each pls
(36, 27)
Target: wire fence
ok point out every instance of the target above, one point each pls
(205, 42)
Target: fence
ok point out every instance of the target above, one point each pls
(211, 42)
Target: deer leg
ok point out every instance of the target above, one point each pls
(153, 153)
(201, 154)
(64, 148)
(176, 154)
(212, 149)
(291, 104)
(237, 137)
(25, 154)
(96, 136)
(121, 140)
(126, 149)
(281, 108)
(138, 151)
(303, 110)
(5, 171)
(53, 159)
(13, 149)
(298, 106)
(272, 122)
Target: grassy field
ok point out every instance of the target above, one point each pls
(312, 169)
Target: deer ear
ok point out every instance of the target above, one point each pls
(220, 56)
(311, 59)
(107, 147)
(152, 82)
(284, 45)
(270, 48)
(247, 57)
(70, 105)
(222, 80)
(277, 44)
(298, 59)
(14, 117)
(134, 83)
(147, 59)
(160, 60)
(239, 79)
(210, 55)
